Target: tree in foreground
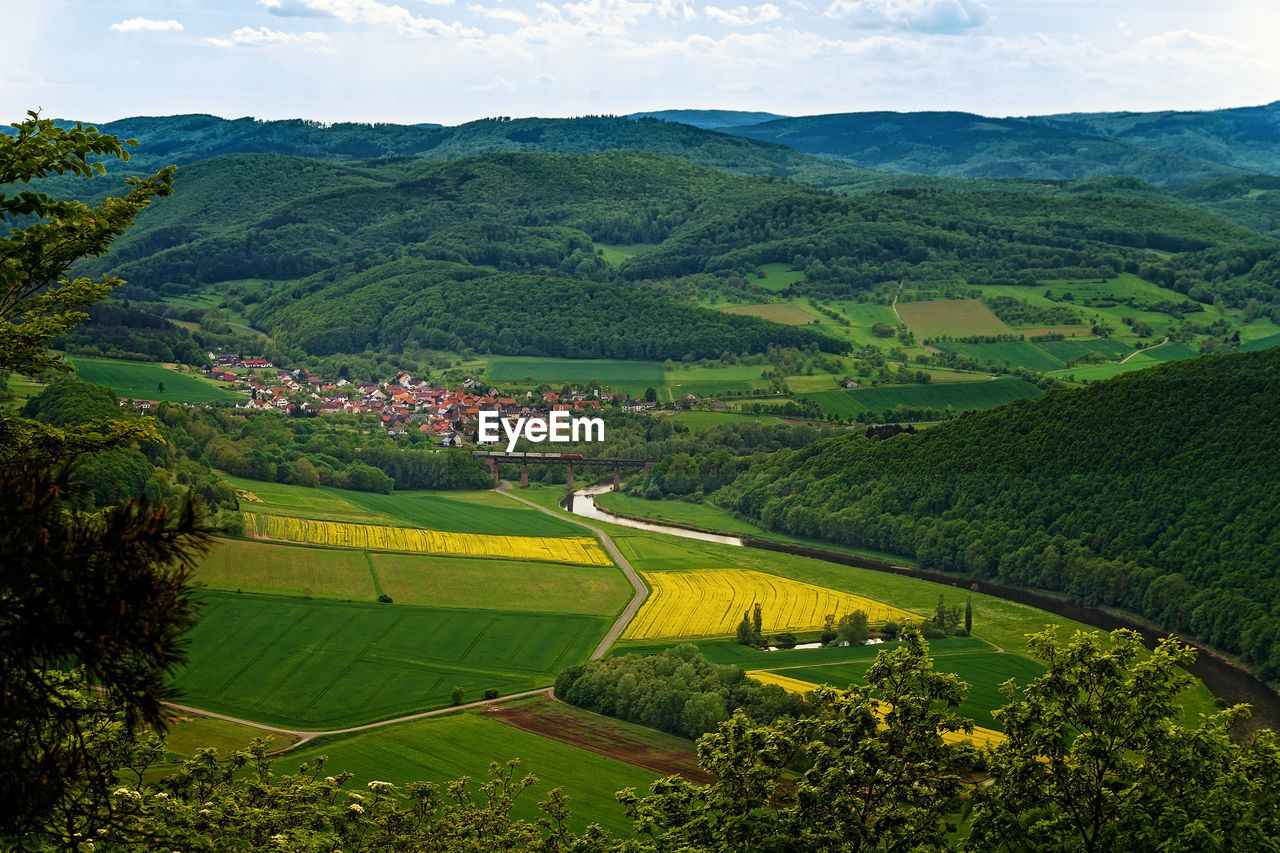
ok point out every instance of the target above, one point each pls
(1096, 759)
(877, 771)
(92, 607)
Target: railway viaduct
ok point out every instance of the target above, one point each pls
(524, 460)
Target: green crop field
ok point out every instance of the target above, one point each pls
(786, 313)
(233, 564)
(777, 277)
(511, 369)
(1261, 343)
(961, 396)
(141, 380)
(465, 744)
(423, 579)
(463, 512)
(1069, 349)
(501, 584)
(1022, 353)
(321, 664)
(957, 318)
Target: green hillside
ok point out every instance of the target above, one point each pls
(1153, 492)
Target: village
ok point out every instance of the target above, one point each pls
(445, 415)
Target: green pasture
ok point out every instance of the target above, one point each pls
(323, 664)
(140, 380)
(960, 396)
(609, 371)
(465, 744)
(1145, 358)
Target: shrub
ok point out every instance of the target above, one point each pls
(456, 694)
(491, 693)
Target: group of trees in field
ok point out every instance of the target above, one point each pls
(678, 691)
(1152, 492)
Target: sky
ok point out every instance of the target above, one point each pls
(451, 61)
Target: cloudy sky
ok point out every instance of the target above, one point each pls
(450, 61)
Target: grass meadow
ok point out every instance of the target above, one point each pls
(787, 313)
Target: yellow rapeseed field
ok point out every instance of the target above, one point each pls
(980, 736)
(577, 549)
(710, 603)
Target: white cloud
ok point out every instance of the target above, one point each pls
(498, 13)
(137, 25)
(266, 37)
(741, 16)
(397, 18)
(292, 9)
(928, 16)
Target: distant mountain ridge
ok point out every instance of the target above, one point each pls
(966, 145)
(711, 119)
(1247, 137)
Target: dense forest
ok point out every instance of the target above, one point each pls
(439, 305)
(1154, 492)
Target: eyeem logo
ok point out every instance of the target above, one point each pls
(561, 428)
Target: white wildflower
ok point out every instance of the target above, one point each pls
(357, 808)
(376, 786)
(356, 797)
(329, 780)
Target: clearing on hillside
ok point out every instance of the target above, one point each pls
(375, 537)
(960, 396)
(778, 312)
(957, 318)
(512, 369)
(711, 603)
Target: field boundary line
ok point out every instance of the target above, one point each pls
(641, 591)
(306, 735)
(1144, 349)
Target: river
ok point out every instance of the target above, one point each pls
(1229, 682)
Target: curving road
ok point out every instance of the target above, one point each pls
(642, 591)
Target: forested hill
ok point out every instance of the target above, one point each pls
(1247, 137)
(1155, 492)
(265, 216)
(438, 305)
(964, 145)
(184, 139)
